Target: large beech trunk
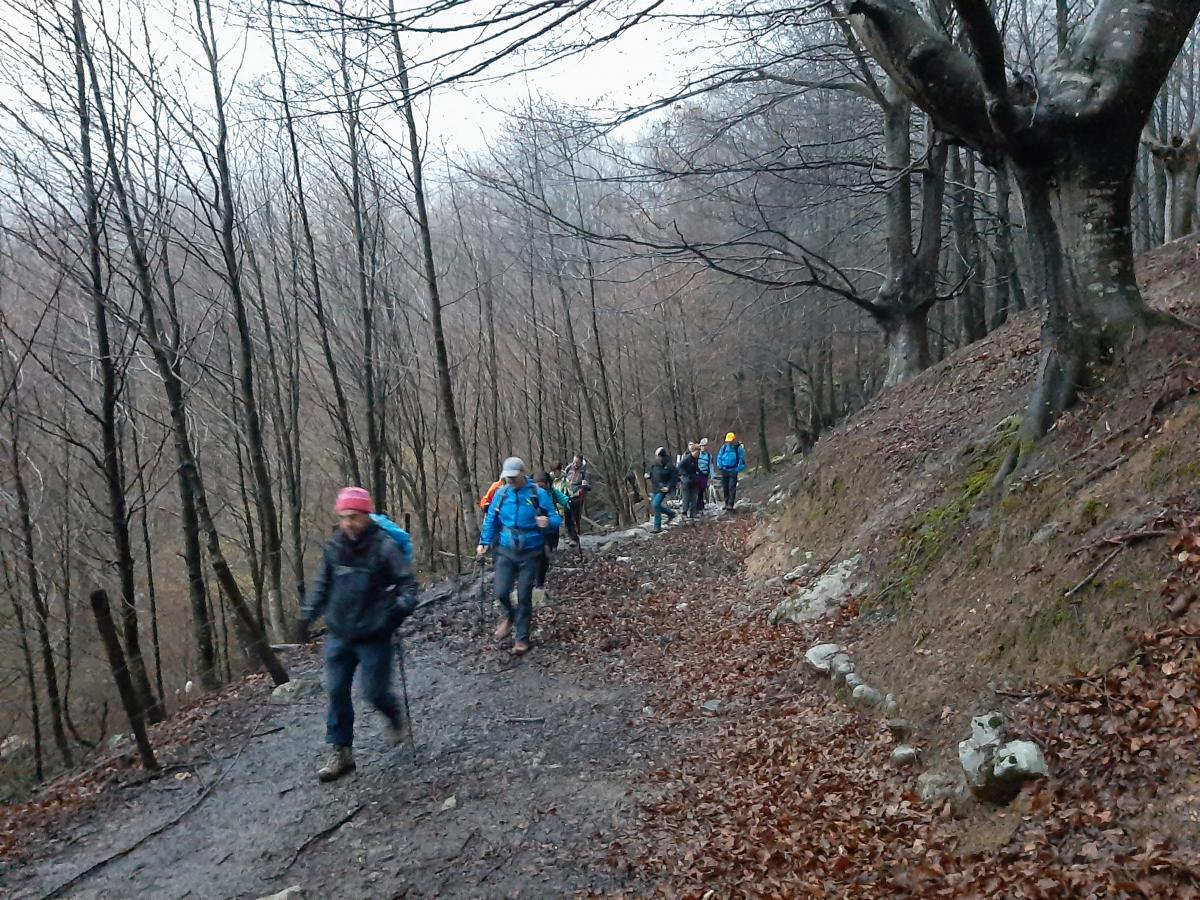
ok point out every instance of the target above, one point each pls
(1072, 144)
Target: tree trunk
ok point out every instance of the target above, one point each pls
(35, 713)
(172, 381)
(117, 663)
(264, 496)
(114, 477)
(906, 335)
(40, 610)
(466, 488)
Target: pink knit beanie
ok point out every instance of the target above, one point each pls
(354, 499)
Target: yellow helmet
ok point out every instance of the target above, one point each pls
(731, 436)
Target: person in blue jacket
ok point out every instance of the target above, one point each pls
(515, 526)
(731, 459)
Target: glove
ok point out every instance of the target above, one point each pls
(303, 632)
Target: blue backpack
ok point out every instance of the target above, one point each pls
(397, 534)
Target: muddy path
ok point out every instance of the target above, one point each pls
(537, 760)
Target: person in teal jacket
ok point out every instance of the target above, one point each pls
(731, 460)
(520, 516)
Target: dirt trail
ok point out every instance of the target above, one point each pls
(540, 756)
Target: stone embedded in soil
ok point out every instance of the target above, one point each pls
(995, 770)
(1015, 763)
(295, 892)
(853, 680)
(866, 696)
(712, 705)
(820, 657)
(296, 689)
(833, 588)
(450, 803)
(797, 573)
(841, 664)
(891, 706)
(904, 755)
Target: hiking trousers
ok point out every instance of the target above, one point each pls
(729, 482)
(519, 568)
(660, 510)
(550, 546)
(341, 659)
(691, 496)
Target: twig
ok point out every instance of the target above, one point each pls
(530, 720)
(1092, 575)
(324, 832)
(121, 854)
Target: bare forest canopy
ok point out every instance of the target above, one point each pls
(244, 260)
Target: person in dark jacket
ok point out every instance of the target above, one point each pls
(689, 476)
(562, 504)
(364, 590)
(731, 460)
(662, 477)
(520, 515)
(576, 486)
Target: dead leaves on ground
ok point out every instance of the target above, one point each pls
(791, 795)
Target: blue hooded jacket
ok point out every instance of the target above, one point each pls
(731, 458)
(511, 519)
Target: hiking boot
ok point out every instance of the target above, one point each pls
(520, 648)
(503, 630)
(398, 728)
(341, 762)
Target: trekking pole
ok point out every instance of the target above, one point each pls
(481, 565)
(412, 741)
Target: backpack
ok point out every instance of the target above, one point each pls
(397, 534)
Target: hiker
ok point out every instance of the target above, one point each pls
(486, 500)
(517, 521)
(562, 504)
(577, 485)
(705, 463)
(364, 589)
(662, 477)
(689, 478)
(731, 459)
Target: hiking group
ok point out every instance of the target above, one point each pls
(364, 587)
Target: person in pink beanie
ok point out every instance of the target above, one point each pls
(364, 590)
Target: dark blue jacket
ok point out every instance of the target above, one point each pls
(731, 458)
(363, 588)
(510, 520)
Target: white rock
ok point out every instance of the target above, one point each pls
(904, 755)
(14, 745)
(624, 559)
(295, 689)
(797, 573)
(821, 656)
(450, 803)
(295, 892)
(841, 665)
(995, 770)
(712, 705)
(834, 587)
(866, 696)
(1020, 759)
